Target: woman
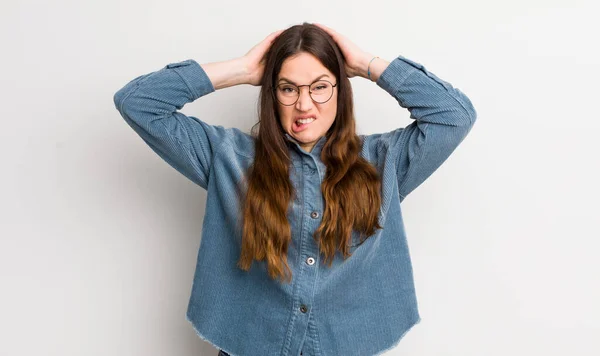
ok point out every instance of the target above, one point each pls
(302, 193)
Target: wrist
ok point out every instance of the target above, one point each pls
(375, 68)
(369, 70)
(240, 71)
(363, 66)
(226, 73)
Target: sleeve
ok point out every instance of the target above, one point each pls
(150, 104)
(443, 117)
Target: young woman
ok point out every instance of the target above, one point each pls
(303, 248)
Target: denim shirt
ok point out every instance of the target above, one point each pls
(363, 305)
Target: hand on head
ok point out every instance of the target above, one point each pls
(254, 59)
(356, 59)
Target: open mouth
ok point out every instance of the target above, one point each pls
(301, 124)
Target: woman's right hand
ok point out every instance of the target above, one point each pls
(254, 59)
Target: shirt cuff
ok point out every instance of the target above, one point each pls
(396, 73)
(194, 76)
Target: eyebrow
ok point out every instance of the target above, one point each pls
(289, 81)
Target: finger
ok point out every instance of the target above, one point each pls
(323, 26)
(270, 38)
(327, 29)
(273, 35)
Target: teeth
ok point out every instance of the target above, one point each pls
(305, 121)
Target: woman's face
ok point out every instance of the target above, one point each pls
(305, 69)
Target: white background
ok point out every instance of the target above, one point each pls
(99, 236)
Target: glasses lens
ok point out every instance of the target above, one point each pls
(287, 94)
(321, 91)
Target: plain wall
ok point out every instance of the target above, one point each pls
(99, 236)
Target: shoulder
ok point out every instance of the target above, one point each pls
(238, 142)
(377, 144)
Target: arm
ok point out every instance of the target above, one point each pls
(377, 66)
(150, 104)
(443, 114)
(227, 73)
(443, 118)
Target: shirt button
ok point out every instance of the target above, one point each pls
(303, 308)
(310, 261)
(314, 214)
(309, 170)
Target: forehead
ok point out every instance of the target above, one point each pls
(303, 67)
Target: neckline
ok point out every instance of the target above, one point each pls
(316, 150)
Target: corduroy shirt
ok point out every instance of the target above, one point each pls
(360, 306)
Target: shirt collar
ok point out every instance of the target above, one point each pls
(316, 150)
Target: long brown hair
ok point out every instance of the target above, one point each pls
(351, 186)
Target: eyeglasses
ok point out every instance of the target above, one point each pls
(320, 92)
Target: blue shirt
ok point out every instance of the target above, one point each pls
(360, 306)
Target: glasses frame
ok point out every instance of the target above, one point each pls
(309, 92)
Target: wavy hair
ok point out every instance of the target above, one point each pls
(351, 187)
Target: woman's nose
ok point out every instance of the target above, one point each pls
(304, 100)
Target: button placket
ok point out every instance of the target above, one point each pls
(309, 170)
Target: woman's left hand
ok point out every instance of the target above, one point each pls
(356, 59)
